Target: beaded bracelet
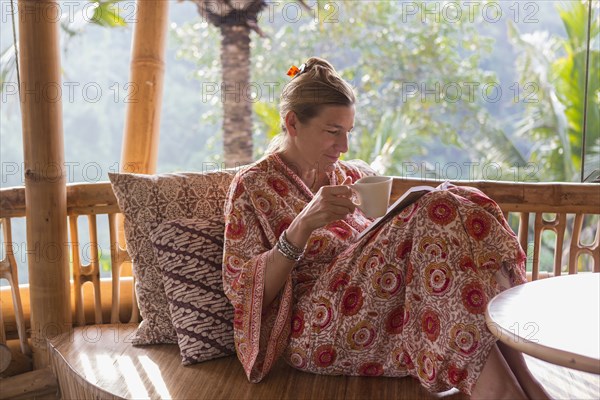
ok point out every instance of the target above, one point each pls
(287, 249)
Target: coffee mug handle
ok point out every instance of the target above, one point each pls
(355, 197)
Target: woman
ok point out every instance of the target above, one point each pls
(407, 299)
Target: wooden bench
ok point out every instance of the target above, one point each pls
(95, 359)
(98, 361)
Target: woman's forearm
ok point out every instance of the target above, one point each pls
(278, 269)
(278, 266)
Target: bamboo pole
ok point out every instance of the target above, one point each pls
(45, 181)
(142, 121)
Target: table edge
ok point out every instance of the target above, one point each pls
(563, 358)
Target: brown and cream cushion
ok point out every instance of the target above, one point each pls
(147, 201)
(190, 255)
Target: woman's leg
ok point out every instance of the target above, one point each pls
(497, 381)
(517, 364)
(515, 359)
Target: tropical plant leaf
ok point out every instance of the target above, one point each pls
(557, 66)
(102, 12)
(7, 66)
(268, 114)
(108, 13)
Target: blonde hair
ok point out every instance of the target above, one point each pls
(317, 85)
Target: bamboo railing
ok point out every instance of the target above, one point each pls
(93, 300)
(570, 202)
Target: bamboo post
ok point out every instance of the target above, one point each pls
(45, 181)
(142, 120)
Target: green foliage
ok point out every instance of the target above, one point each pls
(103, 13)
(392, 140)
(108, 13)
(268, 114)
(384, 55)
(557, 66)
(191, 39)
(7, 66)
(7, 57)
(390, 64)
(104, 261)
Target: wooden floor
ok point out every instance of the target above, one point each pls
(100, 362)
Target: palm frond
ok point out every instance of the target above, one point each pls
(7, 66)
(106, 13)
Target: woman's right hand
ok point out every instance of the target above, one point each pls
(330, 203)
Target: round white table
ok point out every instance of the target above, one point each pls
(554, 319)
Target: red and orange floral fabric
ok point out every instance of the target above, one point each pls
(407, 299)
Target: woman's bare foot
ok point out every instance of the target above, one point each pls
(497, 381)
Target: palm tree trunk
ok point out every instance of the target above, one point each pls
(235, 94)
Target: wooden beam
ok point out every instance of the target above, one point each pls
(142, 120)
(5, 357)
(82, 199)
(98, 198)
(524, 197)
(45, 179)
(12, 202)
(30, 384)
(19, 362)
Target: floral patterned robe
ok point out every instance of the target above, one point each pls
(407, 299)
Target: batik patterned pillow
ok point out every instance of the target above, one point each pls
(147, 201)
(190, 254)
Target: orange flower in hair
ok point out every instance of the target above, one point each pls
(294, 71)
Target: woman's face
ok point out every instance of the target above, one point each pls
(321, 141)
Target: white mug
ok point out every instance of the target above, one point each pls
(373, 194)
